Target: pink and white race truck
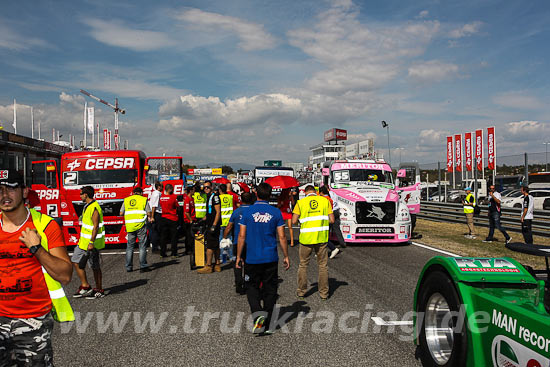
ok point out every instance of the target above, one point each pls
(371, 207)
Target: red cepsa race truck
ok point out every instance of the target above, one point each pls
(113, 175)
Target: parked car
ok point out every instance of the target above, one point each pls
(516, 201)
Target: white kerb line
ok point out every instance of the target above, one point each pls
(382, 322)
(435, 249)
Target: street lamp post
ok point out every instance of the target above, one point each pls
(546, 144)
(387, 126)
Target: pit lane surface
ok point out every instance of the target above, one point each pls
(364, 280)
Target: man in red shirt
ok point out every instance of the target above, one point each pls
(169, 225)
(189, 218)
(25, 304)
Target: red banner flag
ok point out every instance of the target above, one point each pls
(468, 151)
(491, 148)
(108, 139)
(450, 167)
(479, 150)
(458, 150)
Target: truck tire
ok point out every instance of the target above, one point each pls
(441, 341)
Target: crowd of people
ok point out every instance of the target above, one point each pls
(245, 226)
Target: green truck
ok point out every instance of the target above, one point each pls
(483, 311)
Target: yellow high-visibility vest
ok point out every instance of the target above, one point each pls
(200, 205)
(134, 212)
(88, 226)
(314, 221)
(62, 310)
(227, 208)
(469, 208)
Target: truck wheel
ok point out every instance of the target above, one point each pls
(517, 205)
(442, 340)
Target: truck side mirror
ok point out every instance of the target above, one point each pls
(401, 173)
(326, 172)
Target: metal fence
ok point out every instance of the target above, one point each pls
(511, 172)
(510, 218)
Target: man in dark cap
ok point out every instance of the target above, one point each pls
(34, 262)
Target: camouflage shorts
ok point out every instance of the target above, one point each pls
(26, 342)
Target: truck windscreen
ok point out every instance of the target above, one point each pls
(96, 177)
(361, 175)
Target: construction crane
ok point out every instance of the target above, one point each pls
(115, 108)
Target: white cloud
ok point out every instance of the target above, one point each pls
(11, 40)
(252, 36)
(211, 114)
(526, 131)
(118, 35)
(466, 30)
(355, 138)
(432, 138)
(433, 71)
(39, 87)
(423, 14)
(140, 89)
(65, 117)
(356, 56)
(518, 100)
(75, 100)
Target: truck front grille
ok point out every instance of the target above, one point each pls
(109, 208)
(375, 213)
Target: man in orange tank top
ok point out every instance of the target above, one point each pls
(25, 320)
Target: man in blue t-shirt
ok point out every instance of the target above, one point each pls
(260, 226)
(247, 199)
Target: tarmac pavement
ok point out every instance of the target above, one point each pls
(173, 316)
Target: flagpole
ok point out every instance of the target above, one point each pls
(85, 127)
(14, 116)
(32, 123)
(93, 136)
(495, 152)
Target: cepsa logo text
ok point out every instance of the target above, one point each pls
(48, 194)
(109, 163)
(100, 163)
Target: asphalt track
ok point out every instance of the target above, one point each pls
(364, 281)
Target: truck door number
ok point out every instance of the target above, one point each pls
(70, 178)
(51, 209)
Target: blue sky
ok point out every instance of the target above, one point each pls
(244, 81)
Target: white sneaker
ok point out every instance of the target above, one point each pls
(334, 253)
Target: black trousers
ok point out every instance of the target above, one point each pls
(189, 238)
(154, 231)
(240, 286)
(268, 276)
(335, 228)
(169, 233)
(527, 231)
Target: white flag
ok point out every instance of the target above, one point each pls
(90, 120)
